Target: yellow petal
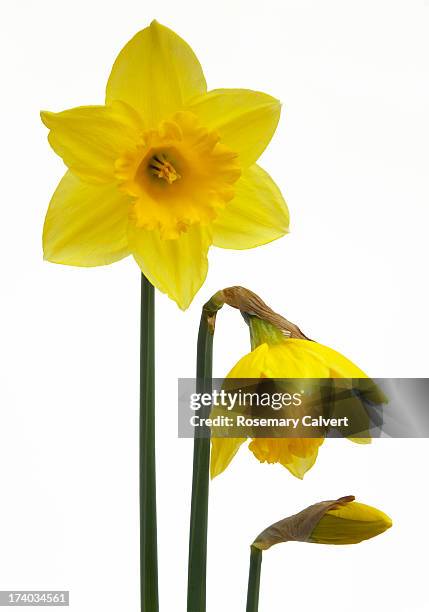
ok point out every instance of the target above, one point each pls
(258, 213)
(363, 387)
(86, 225)
(176, 267)
(224, 449)
(245, 120)
(290, 359)
(222, 453)
(156, 73)
(91, 138)
(296, 455)
(251, 365)
(340, 366)
(299, 466)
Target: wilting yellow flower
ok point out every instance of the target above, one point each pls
(339, 521)
(283, 358)
(163, 170)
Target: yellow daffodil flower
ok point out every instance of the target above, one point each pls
(281, 357)
(163, 170)
(340, 521)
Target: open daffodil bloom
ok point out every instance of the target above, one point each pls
(163, 170)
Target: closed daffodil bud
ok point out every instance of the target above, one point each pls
(280, 350)
(340, 521)
(337, 521)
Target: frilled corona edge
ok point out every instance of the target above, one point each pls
(251, 304)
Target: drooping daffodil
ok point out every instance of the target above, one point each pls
(163, 170)
(282, 351)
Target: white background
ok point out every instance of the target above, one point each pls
(351, 155)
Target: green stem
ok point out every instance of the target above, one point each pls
(254, 579)
(148, 540)
(262, 331)
(197, 562)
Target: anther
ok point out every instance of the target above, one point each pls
(163, 169)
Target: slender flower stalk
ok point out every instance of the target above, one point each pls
(148, 532)
(197, 562)
(254, 579)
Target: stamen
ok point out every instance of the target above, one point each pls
(160, 166)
